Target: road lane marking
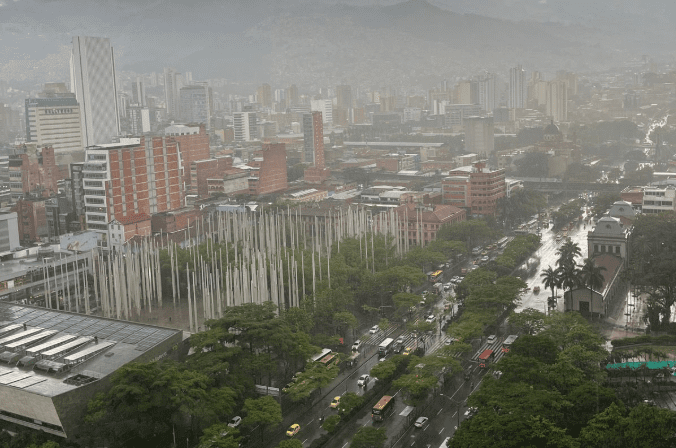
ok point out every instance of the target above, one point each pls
(442, 430)
(344, 445)
(311, 421)
(440, 411)
(304, 441)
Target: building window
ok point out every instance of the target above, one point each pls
(596, 248)
(617, 249)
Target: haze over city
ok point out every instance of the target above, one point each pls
(333, 224)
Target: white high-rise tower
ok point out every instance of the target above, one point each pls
(517, 88)
(92, 79)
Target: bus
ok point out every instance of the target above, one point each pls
(381, 408)
(507, 344)
(485, 358)
(385, 346)
(330, 360)
(503, 242)
(434, 276)
(320, 355)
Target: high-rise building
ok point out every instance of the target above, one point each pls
(245, 125)
(264, 94)
(517, 88)
(139, 119)
(463, 93)
(92, 79)
(486, 92)
(557, 100)
(313, 137)
(197, 104)
(138, 92)
(344, 96)
(479, 135)
(54, 122)
(171, 88)
(292, 95)
(138, 176)
(325, 107)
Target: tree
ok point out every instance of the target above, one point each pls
(592, 278)
(350, 401)
(551, 279)
(331, 423)
(567, 253)
(220, 435)
(529, 320)
(263, 411)
(369, 437)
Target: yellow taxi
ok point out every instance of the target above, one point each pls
(407, 351)
(335, 402)
(293, 430)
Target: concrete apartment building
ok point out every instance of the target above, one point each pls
(128, 182)
(479, 135)
(92, 79)
(197, 104)
(475, 188)
(246, 126)
(54, 122)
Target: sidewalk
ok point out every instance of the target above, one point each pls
(625, 317)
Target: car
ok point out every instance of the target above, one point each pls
(363, 380)
(407, 351)
(485, 259)
(356, 346)
(471, 412)
(491, 339)
(293, 430)
(497, 374)
(449, 340)
(430, 318)
(374, 329)
(420, 422)
(335, 402)
(235, 421)
(536, 290)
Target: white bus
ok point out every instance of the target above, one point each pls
(385, 347)
(507, 343)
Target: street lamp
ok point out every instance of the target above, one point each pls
(457, 403)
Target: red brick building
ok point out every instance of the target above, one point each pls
(32, 220)
(474, 188)
(313, 138)
(202, 171)
(137, 175)
(125, 228)
(193, 143)
(169, 222)
(268, 174)
(421, 223)
(36, 174)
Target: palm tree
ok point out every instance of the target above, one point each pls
(569, 276)
(551, 279)
(567, 253)
(592, 278)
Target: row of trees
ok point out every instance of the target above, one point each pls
(553, 393)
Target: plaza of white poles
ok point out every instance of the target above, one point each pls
(269, 248)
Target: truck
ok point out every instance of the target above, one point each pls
(438, 287)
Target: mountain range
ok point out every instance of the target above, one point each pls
(323, 42)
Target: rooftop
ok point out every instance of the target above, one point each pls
(112, 343)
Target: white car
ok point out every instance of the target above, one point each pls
(420, 422)
(235, 421)
(356, 346)
(374, 329)
(492, 338)
(430, 319)
(363, 380)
